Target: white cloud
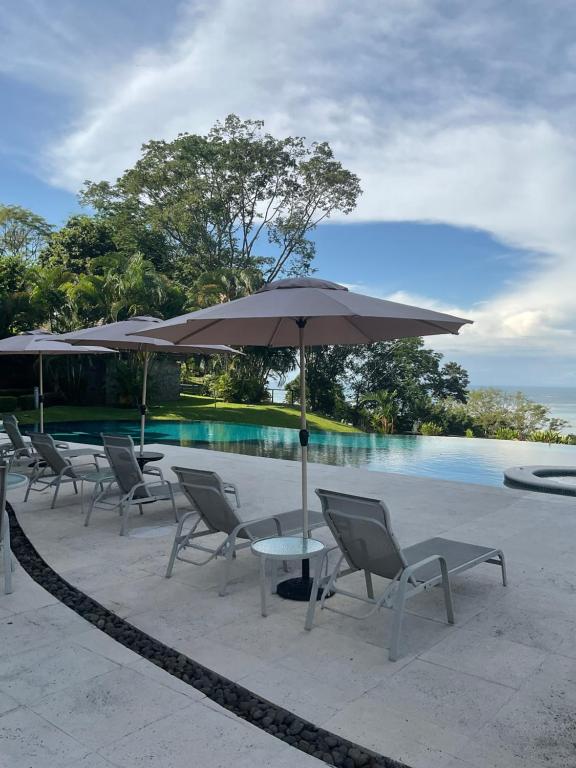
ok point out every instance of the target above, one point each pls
(449, 111)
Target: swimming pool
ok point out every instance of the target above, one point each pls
(449, 458)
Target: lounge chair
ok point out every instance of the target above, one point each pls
(5, 532)
(130, 488)
(210, 499)
(19, 449)
(364, 535)
(53, 468)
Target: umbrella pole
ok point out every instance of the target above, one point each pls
(303, 437)
(41, 395)
(300, 588)
(143, 403)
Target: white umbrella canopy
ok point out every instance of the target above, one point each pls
(116, 336)
(303, 312)
(42, 343)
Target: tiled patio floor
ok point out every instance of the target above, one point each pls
(497, 689)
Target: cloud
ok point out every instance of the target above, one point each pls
(451, 112)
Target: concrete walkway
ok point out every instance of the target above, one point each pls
(497, 689)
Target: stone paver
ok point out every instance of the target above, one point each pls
(496, 689)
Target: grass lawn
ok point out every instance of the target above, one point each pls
(191, 408)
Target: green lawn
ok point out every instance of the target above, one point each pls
(192, 408)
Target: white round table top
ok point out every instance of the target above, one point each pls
(286, 547)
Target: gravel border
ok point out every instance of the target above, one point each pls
(269, 717)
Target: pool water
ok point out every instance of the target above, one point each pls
(468, 460)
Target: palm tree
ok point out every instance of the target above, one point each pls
(384, 409)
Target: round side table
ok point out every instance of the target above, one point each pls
(145, 456)
(288, 548)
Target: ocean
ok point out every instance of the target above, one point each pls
(561, 401)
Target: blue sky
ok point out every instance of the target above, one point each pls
(458, 118)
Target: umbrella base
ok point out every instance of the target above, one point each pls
(298, 589)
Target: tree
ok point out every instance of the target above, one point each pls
(325, 373)
(22, 233)
(76, 246)
(492, 410)
(220, 200)
(384, 409)
(452, 382)
(413, 371)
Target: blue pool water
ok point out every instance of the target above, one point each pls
(449, 458)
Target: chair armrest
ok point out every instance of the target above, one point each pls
(147, 484)
(409, 571)
(245, 525)
(153, 471)
(232, 488)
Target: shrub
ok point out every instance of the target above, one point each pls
(431, 429)
(54, 398)
(469, 433)
(239, 390)
(506, 433)
(26, 402)
(546, 436)
(14, 392)
(8, 403)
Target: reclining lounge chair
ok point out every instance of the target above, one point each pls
(364, 535)
(210, 498)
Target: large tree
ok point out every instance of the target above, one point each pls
(412, 371)
(22, 233)
(235, 199)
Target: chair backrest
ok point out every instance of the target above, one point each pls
(205, 491)
(45, 446)
(3, 483)
(10, 423)
(125, 441)
(362, 529)
(123, 464)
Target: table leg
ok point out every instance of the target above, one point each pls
(263, 586)
(318, 562)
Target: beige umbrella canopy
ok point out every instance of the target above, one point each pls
(299, 312)
(42, 343)
(116, 336)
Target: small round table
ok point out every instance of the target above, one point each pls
(288, 548)
(145, 456)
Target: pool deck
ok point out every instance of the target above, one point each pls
(496, 690)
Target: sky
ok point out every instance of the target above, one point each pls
(458, 118)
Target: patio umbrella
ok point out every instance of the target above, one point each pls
(115, 336)
(305, 312)
(43, 343)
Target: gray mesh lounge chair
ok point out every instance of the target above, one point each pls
(19, 448)
(54, 467)
(22, 452)
(131, 488)
(5, 532)
(210, 498)
(367, 543)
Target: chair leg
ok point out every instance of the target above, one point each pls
(124, 512)
(29, 488)
(503, 566)
(225, 574)
(175, 549)
(447, 592)
(56, 490)
(369, 587)
(399, 605)
(7, 558)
